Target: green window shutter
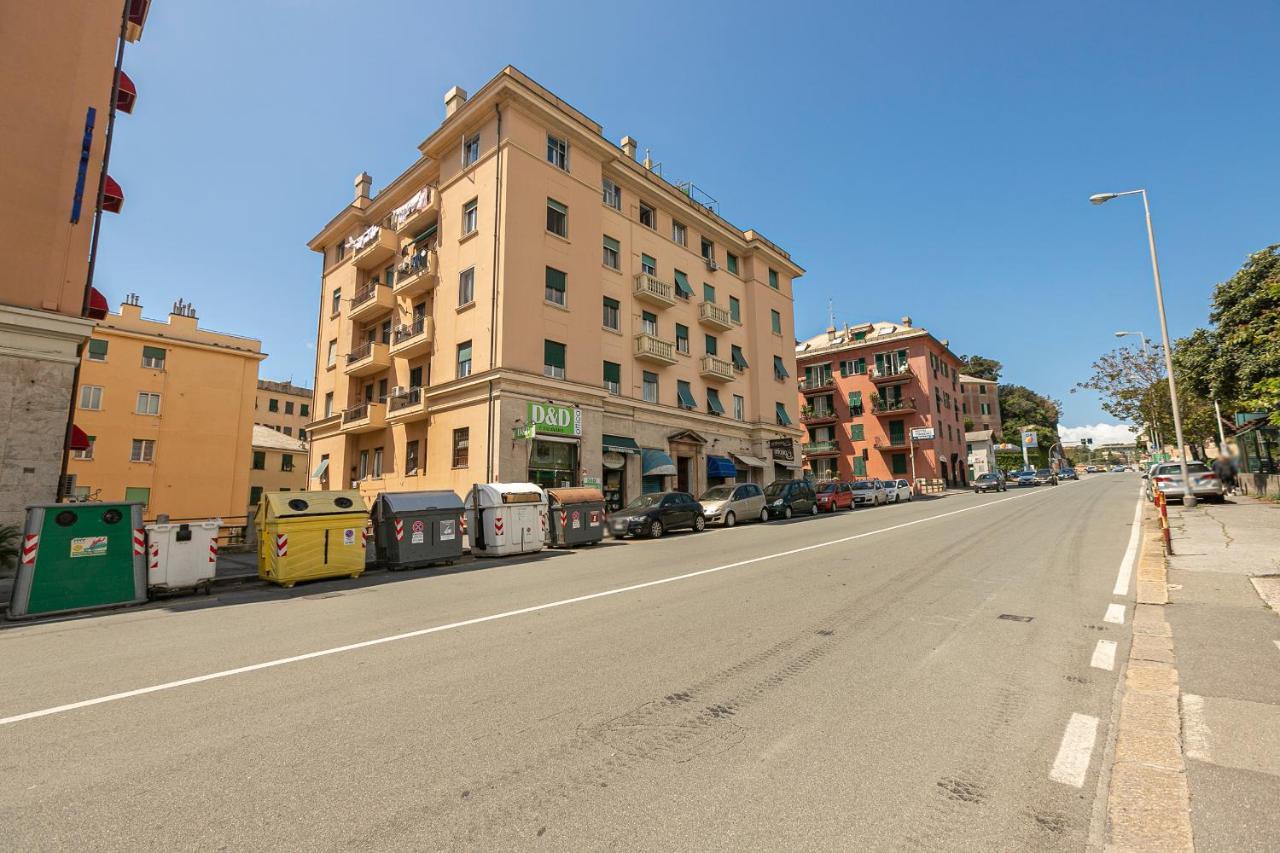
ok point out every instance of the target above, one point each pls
(97, 347)
(255, 494)
(855, 399)
(897, 432)
(685, 396)
(738, 360)
(611, 303)
(712, 345)
(557, 206)
(153, 352)
(860, 366)
(859, 466)
(779, 369)
(682, 284)
(612, 372)
(899, 463)
(708, 293)
(682, 332)
(713, 401)
(610, 243)
(859, 336)
(735, 309)
(555, 279)
(553, 354)
(773, 279)
(783, 418)
(649, 262)
(857, 432)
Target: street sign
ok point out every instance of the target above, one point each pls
(782, 448)
(1029, 438)
(922, 434)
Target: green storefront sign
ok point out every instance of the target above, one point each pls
(554, 419)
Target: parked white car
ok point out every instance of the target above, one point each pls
(730, 503)
(869, 493)
(901, 490)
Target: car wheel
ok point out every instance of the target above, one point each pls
(977, 491)
(764, 514)
(786, 512)
(729, 519)
(813, 509)
(699, 524)
(897, 499)
(655, 530)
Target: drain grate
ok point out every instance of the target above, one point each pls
(1013, 617)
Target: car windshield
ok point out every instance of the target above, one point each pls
(862, 485)
(719, 493)
(986, 476)
(825, 488)
(1043, 472)
(776, 488)
(1175, 468)
(645, 501)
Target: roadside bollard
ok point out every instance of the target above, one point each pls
(1165, 533)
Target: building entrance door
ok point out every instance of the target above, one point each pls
(684, 473)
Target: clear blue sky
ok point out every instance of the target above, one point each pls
(931, 159)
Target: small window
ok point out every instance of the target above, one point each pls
(714, 406)
(553, 359)
(259, 460)
(153, 357)
(682, 338)
(648, 216)
(738, 359)
(650, 387)
(469, 218)
(461, 447)
(649, 323)
(331, 358)
(612, 194)
(255, 495)
(773, 282)
(143, 450)
(328, 404)
(411, 458)
(464, 359)
(780, 410)
(708, 293)
(735, 309)
(557, 218)
(731, 261)
(611, 255)
(775, 322)
(466, 286)
(857, 432)
(288, 431)
(684, 396)
(708, 250)
(91, 397)
(87, 453)
(97, 350)
(555, 285)
(679, 233)
(712, 345)
(779, 368)
(613, 377)
(470, 150)
(304, 409)
(288, 407)
(648, 265)
(739, 408)
(273, 405)
(148, 404)
(612, 314)
(558, 152)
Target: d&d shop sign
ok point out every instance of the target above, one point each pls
(554, 419)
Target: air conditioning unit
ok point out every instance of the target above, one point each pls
(398, 390)
(711, 265)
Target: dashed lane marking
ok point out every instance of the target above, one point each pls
(1195, 731)
(1104, 655)
(1115, 614)
(1075, 752)
(1131, 552)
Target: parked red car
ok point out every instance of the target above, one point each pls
(834, 495)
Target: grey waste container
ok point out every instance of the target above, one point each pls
(417, 528)
(575, 516)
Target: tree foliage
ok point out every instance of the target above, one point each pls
(1021, 407)
(981, 367)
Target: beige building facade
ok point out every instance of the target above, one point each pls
(60, 59)
(981, 404)
(168, 410)
(529, 302)
(279, 464)
(283, 407)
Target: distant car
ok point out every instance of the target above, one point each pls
(834, 495)
(869, 492)
(785, 498)
(1045, 477)
(1167, 476)
(654, 514)
(989, 483)
(1117, 469)
(1092, 469)
(729, 504)
(1026, 478)
(1068, 474)
(905, 491)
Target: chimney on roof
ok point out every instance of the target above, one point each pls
(131, 306)
(454, 98)
(831, 333)
(364, 186)
(906, 322)
(946, 342)
(630, 146)
(648, 161)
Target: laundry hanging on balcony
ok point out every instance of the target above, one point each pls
(415, 203)
(363, 239)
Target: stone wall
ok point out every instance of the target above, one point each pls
(1262, 485)
(34, 399)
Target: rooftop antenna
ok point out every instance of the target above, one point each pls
(831, 313)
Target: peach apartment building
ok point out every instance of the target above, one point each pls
(168, 412)
(61, 59)
(283, 407)
(981, 404)
(864, 388)
(528, 302)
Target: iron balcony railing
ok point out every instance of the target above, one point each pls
(360, 352)
(407, 398)
(817, 383)
(811, 448)
(355, 413)
(904, 404)
(403, 332)
(364, 293)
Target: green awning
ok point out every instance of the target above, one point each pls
(557, 206)
(619, 444)
(779, 369)
(610, 243)
(738, 360)
(783, 418)
(430, 232)
(682, 284)
(713, 401)
(612, 372)
(685, 396)
(556, 279)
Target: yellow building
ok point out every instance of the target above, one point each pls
(528, 302)
(279, 464)
(284, 407)
(168, 407)
(59, 57)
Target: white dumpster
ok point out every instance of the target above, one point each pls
(182, 555)
(506, 518)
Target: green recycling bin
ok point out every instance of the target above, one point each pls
(80, 556)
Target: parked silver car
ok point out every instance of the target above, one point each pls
(869, 493)
(1168, 477)
(731, 503)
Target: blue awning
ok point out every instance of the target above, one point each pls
(721, 466)
(657, 463)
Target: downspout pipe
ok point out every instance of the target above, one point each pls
(493, 308)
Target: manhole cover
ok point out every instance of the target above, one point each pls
(1013, 617)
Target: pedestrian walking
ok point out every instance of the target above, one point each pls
(1225, 467)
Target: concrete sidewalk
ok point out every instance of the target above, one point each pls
(1228, 668)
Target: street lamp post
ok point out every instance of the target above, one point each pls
(1154, 432)
(1188, 499)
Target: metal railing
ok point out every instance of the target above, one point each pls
(817, 383)
(403, 332)
(895, 405)
(355, 413)
(366, 292)
(809, 448)
(892, 372)
(360, 352)
(404, 400)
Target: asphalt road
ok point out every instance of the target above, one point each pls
(862, 694)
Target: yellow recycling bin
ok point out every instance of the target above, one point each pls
(308, 535)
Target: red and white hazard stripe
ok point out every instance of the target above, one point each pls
(139, 542)
(213, 551)
(154, 562)
(282, 544)
(364, 538)
(399, 530)
(30, 546)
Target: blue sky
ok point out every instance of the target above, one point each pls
(932, 159)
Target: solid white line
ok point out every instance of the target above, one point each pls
(1115, 613)
(422, 632)
(1195, 731)
(1104, 655)
(1072, 763)
(1131, 552)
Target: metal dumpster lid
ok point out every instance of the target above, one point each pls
(295, 504)
(580, 495)
(396, 503)
(493, 494)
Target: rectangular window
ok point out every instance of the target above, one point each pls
(648, 216)
(255, 495)
(153, 357)
(649, 323)
(555, 284)
(859, 466)
(613, 377)
(982, 389)
(779, 369)
(97, 350)
(464, 359)
(385, 332)
(731, 261)
(331, 358)
(466, 286)
(302, 434)
(708, 293)
(773, 279)
(683, 289)
(286, 461)
(87, 453)
(137, 494)
(648, 265)
(712, 345)
(775, 322)
(304, 409)
(288, 431)
(682, 338)
(714, 406)
(328, 404)
(557, 218)
(91, 397)
(382, 390)
(148, 404)
(650, 387)
(708, 250)
(780, 410)
(684, 395)
(612, 194)
(558, 152)
(679, 233)
(735, 309)
(469, 219)
(144, 450)
(288, 407)
(363, 470)
(739, 360)
(377, 462)
(612, 316)
(411, 458)
(470, 150)
(739, 408)
(611, 257)
(553, 359)
(389, 276)
(857, 432)
(273, 405)
(461, 447)
(986, 408)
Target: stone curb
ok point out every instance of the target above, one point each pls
(1148, 801)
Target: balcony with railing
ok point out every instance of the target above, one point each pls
(820, 448)
(893, 405)
(654, 291)
(650, 348)
(408, 405)
(713, 316)
(817, 414)
(366, 417)
(715, 369)
(373, 247)
(416, 213)
(890, 442)
(820, 382)
(418, 273)
(890, 373)
(370, 300)
(414, 338)
(368, 358)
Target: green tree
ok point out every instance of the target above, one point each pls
(1021, 407)
(981, 367)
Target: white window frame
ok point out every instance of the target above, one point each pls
(463, 368)
(611, 258)
(562, 221)
(148, 400)
(653, 216)
(467, 286)
(153, 363)
(94, 396)
(470, 217)
(645, 389)
(739, 407)
(142, 450)
(611, 194)
(679, 233)
(470, 150)
(331, 358)
(649, 327)
(85, 455)
(558, 152)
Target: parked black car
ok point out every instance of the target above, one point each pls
(785, 498)
(654, 514)
(989, 483)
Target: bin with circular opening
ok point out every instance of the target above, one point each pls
(413, 529)
(310, 535)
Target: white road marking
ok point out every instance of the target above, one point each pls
(1131, 552)
(1277, 644)
(1104, 655)
(1195, 731)
(1075, 752)
(1115, 613)
(422, 632)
